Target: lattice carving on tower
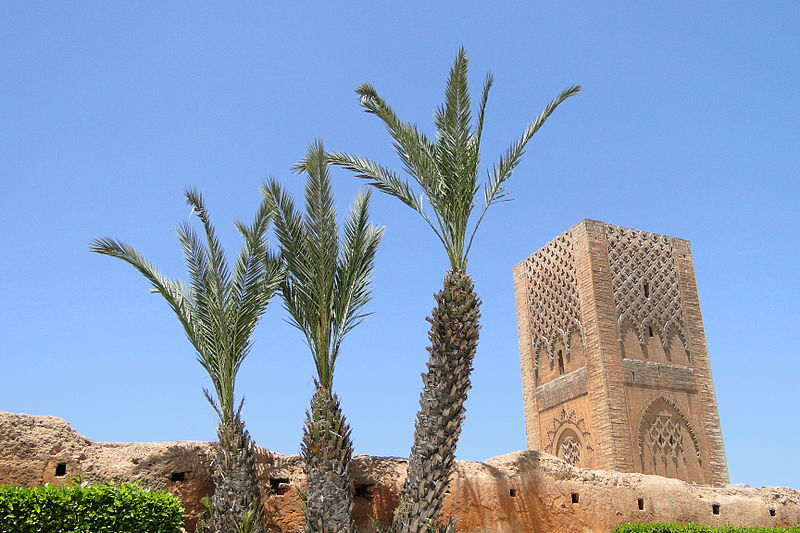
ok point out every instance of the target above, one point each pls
(664, 436)
(570, 450)
(645, 284)
(552, 293)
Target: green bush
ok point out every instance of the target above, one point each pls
(83, 508)
(692, 528)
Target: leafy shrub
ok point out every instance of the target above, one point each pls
(693, 528)
(83, 508)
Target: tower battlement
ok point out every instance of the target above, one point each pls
(615, 369)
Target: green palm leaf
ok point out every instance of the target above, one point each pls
(446, 170)
(219, 310)
(327, 282)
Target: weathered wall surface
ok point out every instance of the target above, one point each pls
(522, 492)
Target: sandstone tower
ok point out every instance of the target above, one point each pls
(615, 371)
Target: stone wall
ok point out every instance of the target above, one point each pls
(522, 492)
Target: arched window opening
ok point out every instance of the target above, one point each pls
(561, 362)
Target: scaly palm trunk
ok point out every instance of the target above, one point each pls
(454, 338)
(327, 450)
(237, 500)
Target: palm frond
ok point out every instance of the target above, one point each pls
(379, 177)
(200, 291)
(494, 190)
(216, 254)
(354, 272)
(256, 278)
(219, 310)
(453, 131)
(327, 281)
(487, 86)
(298, 285)
(446, 170)
(417, 152)
(322, 241)
(386, 181)
(171, 290)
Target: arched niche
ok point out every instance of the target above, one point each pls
(576, 357)
(677, 353)
(668, 444)
(654, 347)
(630, 344)
(676, 346)
(544, 368)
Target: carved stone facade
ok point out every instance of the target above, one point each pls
(615, 370)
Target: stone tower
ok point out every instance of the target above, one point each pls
(615, 371)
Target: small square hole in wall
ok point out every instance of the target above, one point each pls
(178, 477)
(715, 508)
(364, 491)
(640, 504)
(772, 512)
(575, 498)
(278, 485)
(512, 493)
(61, 469)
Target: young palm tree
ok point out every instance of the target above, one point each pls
(446, 171)
(219, 311)
(325, 289)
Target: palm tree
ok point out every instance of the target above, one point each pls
(219, 311)
(446, 171)
(325, 289)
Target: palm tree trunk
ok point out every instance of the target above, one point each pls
(454, 338)
(237, 500)
(327, 450)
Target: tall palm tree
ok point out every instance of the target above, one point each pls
(326, 286)
(219, 311)
(446, 171)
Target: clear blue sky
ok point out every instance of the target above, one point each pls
(687, 125)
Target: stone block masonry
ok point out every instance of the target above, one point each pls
(615, 370)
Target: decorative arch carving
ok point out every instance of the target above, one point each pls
(552, 297)
(653, 405)
(671, 332)
(629, 340)
(569, 439)
(576, 355)
(668, 443)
